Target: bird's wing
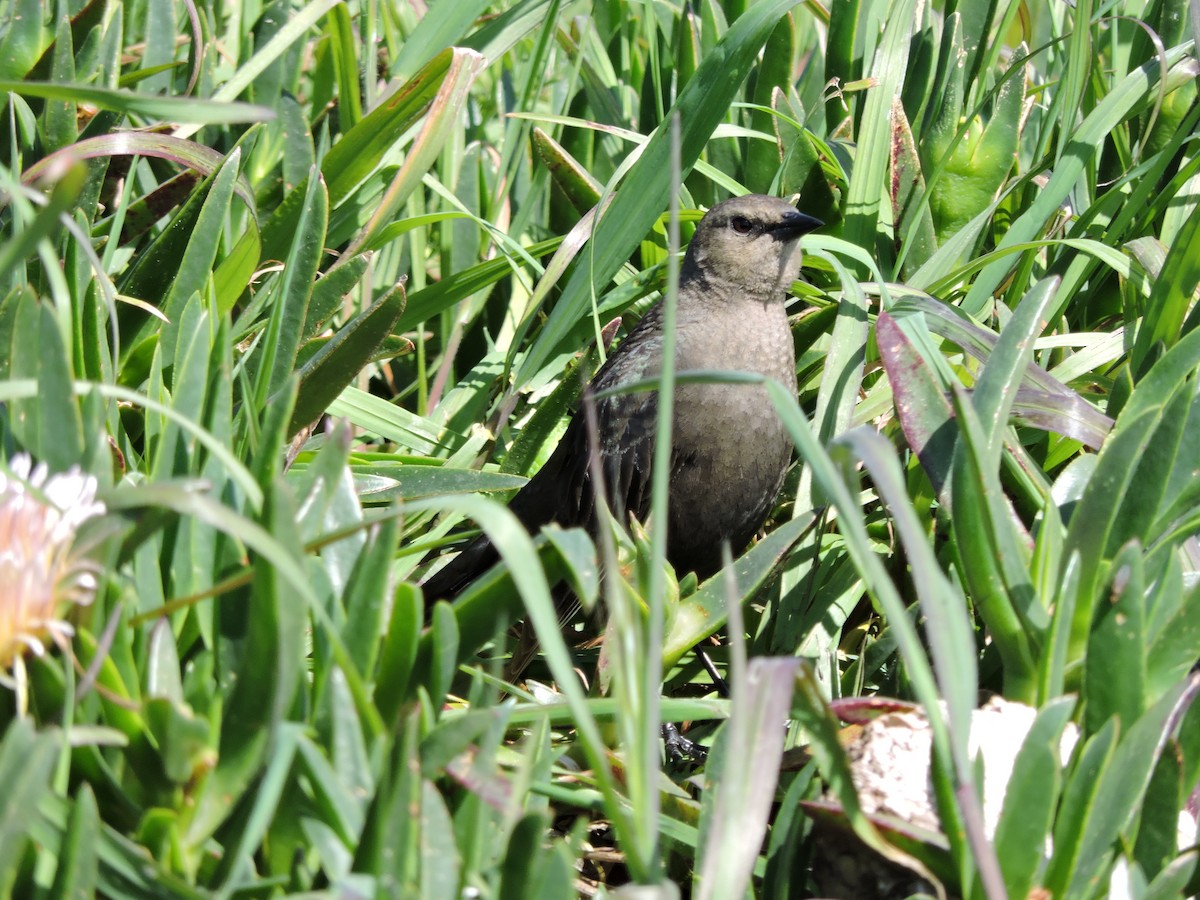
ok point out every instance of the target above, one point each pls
(626, 425)
(563, 490)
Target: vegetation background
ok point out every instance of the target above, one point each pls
(221, 219)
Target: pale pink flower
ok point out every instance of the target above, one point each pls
(41, 573)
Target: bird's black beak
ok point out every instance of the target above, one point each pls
(794, 224)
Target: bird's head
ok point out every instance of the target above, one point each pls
(751, 242)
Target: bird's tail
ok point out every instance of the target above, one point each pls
(451, 579)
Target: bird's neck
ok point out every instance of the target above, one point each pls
(717, 289)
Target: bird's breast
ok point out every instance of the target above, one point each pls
(730, 446)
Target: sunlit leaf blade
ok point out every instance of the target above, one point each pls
(140, 143)
(337, 363)
(739, 818)
(172, 109)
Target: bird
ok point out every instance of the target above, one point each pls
(730, 451)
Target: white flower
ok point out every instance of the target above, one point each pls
(39, 570)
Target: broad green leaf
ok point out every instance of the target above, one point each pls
(237, 269)
(77, 867)
(732, 837)
(982, 520)
(995, 390)
(705, 612)
(192, 354)
(266, 639)
(1121, 786)
(864, 193)
(387, 420)
(847, 47)
(338, 363)
(1080, 806)
(360, 150)
(60, 115)
(398, 652)
(289, 310)
(341, 38)
(1118, 643)
(774, 73)
(1173, 629)
(125, 868)
(520, 879)
(181, 739)
(378, 483)
(1096, 527)
(250, 830)
(366, 596)
(1123, 100)
(1174, 879)
(967, 163)
(580, 187)
(22, 39)
(190, 154)
(196, 264)
(1170, 298)
(1160, 829)
(339, 792)
(1030, 798)
(444, 25)
(441, 865)
(26, 763)
(65, 190)
(59, 438)
(444, 112)
(172, 109)
(444, 647)
(328, 294)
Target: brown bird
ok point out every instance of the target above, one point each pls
(729, 449)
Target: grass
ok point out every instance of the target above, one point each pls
(219, 222)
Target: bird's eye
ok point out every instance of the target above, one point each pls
(741, 225)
